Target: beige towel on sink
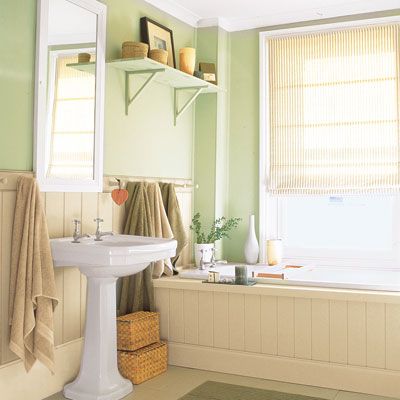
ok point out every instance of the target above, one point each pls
(32, 285)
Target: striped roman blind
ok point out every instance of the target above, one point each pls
(334, 106)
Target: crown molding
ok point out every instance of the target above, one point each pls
(177, 11)
(209, 22)
(240, 24)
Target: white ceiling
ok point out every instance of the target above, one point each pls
(235, 15)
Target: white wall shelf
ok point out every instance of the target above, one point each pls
(89, 67)
(179, 81)
(154, 71)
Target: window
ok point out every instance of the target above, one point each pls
(330, 143)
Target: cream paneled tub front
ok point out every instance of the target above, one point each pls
(335, 338)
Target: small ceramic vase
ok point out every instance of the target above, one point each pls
(251, 248)
(187, 60)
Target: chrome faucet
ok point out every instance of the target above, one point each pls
(98, 233)
(77, 231)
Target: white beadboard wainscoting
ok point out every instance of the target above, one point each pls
(61, 209)
(341, 339)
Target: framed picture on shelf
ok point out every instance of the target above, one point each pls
(158, 36)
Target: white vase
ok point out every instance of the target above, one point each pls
(251, 248)
(207, 252)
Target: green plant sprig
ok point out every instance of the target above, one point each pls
(219, 229)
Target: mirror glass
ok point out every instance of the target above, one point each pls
(71, 91)
(68, 131)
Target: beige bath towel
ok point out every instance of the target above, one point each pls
(174, 216)
(146, 217)
(32, 286)
(162, 228)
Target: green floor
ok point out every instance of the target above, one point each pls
(223, 391)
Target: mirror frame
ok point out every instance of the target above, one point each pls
(40, 152)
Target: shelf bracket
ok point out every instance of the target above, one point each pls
(128, 99)
(179, 111)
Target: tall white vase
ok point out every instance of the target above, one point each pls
(251, 248)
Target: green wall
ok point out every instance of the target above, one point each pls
(243, 137)
(218, 139)
(206, 133)
(17, 57)
(145, 143)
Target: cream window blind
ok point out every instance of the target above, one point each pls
(72, 132)
(334, 105)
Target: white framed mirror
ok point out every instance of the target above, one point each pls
(69, 90)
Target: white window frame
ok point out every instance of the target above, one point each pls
(269, 206)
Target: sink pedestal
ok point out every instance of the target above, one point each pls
(103, 262)
(99, 378)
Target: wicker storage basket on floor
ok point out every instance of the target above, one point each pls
(143, 364)
(138, 330)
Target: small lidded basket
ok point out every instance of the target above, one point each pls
(159, 55)
(134, 50)
(138, 330)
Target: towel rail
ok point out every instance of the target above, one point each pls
(178, 182)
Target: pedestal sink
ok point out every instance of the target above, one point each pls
(103, 262)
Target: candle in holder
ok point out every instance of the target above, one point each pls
(274, 251)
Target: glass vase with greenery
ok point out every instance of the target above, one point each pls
(219, 229)
(204, 240)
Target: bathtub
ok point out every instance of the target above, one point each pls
(334, 277)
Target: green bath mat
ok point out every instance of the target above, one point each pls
(223, 391)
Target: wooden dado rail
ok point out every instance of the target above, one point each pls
(341, 339)
(61, 209)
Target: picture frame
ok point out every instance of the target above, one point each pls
(209, 72)
(158, 36)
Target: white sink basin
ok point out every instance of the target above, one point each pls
(117, 255)
(103, 262)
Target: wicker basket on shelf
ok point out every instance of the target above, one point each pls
(159, 55)
(84, 57)
(143, 364)
(134, 49)
(138, 330)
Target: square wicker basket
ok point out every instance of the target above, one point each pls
(138, 330)
(143, 364)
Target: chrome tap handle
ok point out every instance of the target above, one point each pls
(99, 234)
(77, 231)
(98, 222)
(77, 226)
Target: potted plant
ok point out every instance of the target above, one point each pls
(204, 242)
